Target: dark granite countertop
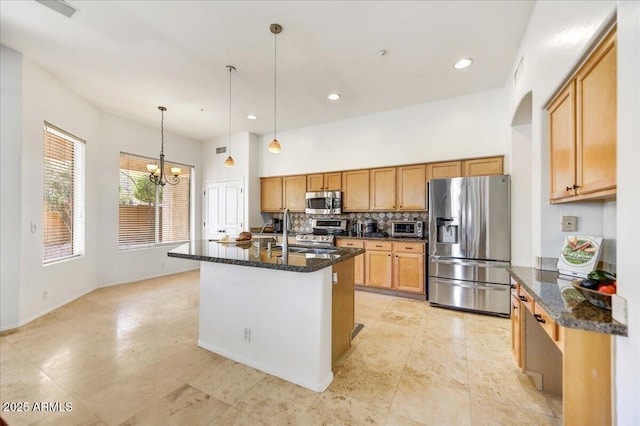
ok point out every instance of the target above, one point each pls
(563, 303)
(248, 255)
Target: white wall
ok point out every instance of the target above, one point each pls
(627, 371)
(45, 98)
(467, 126)
(30, 95)
(10, 179)
(557, 37)
(119, 135)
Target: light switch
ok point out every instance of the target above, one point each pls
(569, 223)
(33, 228)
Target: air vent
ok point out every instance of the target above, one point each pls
(221, 150)
(59, 6)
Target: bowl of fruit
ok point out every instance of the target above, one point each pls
(597, 288)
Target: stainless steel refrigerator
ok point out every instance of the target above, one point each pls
(470, 243)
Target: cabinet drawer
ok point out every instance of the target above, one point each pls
(543, 318)
(408, 247)
(350, 243)
(526, 299)
(378, 245)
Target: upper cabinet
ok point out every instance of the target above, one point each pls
(278, 193)
(582, 130)
(412, 188)
(382, 187)
(324, 182)
(446, 169)
(483, 166)
(271, 194)
(293, 192)
(355, 187)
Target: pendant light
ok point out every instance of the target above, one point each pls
(274, 146)
(156, 173)
(229, 161)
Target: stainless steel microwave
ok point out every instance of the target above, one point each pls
(323, 202)
(407, 228)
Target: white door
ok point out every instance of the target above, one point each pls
(224, 208)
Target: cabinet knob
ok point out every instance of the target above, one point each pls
(524, 299)
(539, 318)
(568, 188)
(576, 186)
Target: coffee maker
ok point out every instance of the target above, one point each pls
(277, 225)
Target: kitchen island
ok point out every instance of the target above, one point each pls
(288, 315)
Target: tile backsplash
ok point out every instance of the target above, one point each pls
(300, 222)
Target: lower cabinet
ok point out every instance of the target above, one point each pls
(516, 329)
(358, 261)
(389, 265)
(378, 264)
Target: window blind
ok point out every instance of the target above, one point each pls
(151, 214)
(64, 195)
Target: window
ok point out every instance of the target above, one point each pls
(152, 214)
(64, 195)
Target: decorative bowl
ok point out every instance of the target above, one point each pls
(601, 300)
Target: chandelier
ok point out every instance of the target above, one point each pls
(156, 174)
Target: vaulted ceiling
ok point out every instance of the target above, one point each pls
(128, 57)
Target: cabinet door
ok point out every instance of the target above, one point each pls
(378, 266)
(483, 166)
(515, 329)
(271, 194)
(412, 188)
(294, 188)
(315, 182)
(358, 267)
(333, 181)
(408, 272)
(597, 119)
(383, 189)
(447, 169)
(562, 144)
(355, 185)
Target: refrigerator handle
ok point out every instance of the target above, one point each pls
(483, 264)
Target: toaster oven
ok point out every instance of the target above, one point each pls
(407, 228)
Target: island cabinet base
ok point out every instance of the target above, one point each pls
(276, 321)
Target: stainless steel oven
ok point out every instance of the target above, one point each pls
(329, 202)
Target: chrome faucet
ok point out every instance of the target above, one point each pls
(285, 232)
(258, 243)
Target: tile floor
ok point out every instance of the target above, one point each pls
(127, 355)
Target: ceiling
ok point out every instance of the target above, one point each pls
(128, 57)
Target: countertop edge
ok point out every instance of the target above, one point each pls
(324, 263)
(561, 318)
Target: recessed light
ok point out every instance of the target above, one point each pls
(334, 96)
(252, 117)
(463, 63)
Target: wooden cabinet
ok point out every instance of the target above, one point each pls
(562, 143)
(408, 267)
(516, 329)
(355, 187)
(293, 192)
(271, 194)
(324, 182)
(483, 166)
(446, 169)
(378, 264)
(382, 186)
(412, 188)
(342, 309)
(582, 130)
(358, 267)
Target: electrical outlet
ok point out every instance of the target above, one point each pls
(34, 228)
(569, 223)
(247, 335)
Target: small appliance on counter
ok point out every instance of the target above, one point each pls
(277, 225)
(407, 229)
